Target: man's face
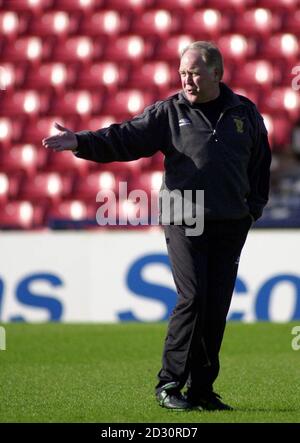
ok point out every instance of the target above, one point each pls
(199, 83)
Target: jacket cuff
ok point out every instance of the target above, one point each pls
(82, 145)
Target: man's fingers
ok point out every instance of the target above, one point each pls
(52, 145)
(61, 128)
(51, 139)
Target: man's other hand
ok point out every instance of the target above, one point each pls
(64, 140)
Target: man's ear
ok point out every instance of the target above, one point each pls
(216, 74)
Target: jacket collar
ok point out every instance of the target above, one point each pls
(230, 98)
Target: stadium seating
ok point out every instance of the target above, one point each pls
(258, 21)
(206, 24)
(107, 22)
(44, 187)
(62, 213)
(90, 63)
(26, 158)
(95, 76)
(21, 215)
(87, 187)
(9, 186)
(47, 75)
(66, 162)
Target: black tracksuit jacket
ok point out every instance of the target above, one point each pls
(230, 162)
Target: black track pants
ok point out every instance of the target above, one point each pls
(204, 270)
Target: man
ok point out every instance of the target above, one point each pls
(212, 140)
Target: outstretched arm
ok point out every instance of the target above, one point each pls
(140, 137)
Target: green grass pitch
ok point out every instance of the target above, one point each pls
(107, 373)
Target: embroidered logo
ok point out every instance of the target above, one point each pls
(239, 125)
(184, 121)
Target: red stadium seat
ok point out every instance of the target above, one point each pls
(281, 99)
(47, 75)
(100, 74)
(25, 48)
(291, 23)
(179, 5)
(9, 186)
(6, 131)
(25, 102)
(258, 72)
(74, 49)
(279, 131)
(94, 123)
(281, 46)
(87, 188)
(129, 102)
(233, 5)
(36, 6)
(26, 158)
(54, 23)
(121, 5)
(236, 47)
(206, 24)
(76, 102)
(12, 76)
(21, 215)
(78, 5)
(67, 162)
(12, 24)
(108, 22)
(282, 128)
(46, 186)
(127, 48)
(75, 210)
(258, 21)
(170, 49)
(156, 74)
(160, 21)
(278, 5)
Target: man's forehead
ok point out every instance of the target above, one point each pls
(192, 58)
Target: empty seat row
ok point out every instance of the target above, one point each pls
(30, 159)
(53, 186)
(134, 47)
(78, 214)
(139, 5)
(109, 76)
(211, 22)
(126, 103)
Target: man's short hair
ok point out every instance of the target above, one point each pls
(210, 53)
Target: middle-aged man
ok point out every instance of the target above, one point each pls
(213, 140)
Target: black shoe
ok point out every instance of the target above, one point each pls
(172, 400)
(207, 402)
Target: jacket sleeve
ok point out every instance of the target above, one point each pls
(259, 169)
(140, 137)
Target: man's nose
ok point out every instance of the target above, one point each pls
(189, 79)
